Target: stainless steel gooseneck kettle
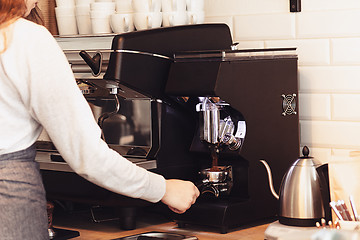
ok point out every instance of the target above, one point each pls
(304, 192)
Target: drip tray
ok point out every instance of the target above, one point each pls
(158, 236)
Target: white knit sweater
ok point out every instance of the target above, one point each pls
(38, 90)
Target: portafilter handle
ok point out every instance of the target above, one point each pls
(206, 187)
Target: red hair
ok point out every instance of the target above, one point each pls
(10, 10)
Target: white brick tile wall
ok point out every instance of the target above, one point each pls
(323, 155)
(333, 79)
(342, 152)
(228, 20)
(323, 5)
(221, 8)
(250, 44)
(264, 7)
(238, 7)
(327, 35)
(264, 26)
(327, 24)
(345, 107)
(314, 106)
(346, 51)
(331, 134)
(310, 51)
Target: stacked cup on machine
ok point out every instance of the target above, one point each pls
(195, 11)
(174, 12)
(100, 13)
(65, 17)
(122, 20)
(147, 14)
(82, 13)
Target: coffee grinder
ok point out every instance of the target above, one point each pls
(246, 106)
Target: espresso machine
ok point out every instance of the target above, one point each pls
(185, 103)
(123, 79)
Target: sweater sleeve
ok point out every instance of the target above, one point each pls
(58, 105)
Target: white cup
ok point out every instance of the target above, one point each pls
(82, 13)
(173, 5)
(100, 25)
(64, 11)
(84, 24)
(103, 6)
(144, 6)
(100, 16)
(65, 3)
(83, 2)
(196, 17)
(83, 9)
(67, 25)
(122, 22)
(147, 20)
(195, 5)
(101, 13)
(66, 20)
(124, 6)
(174, 18)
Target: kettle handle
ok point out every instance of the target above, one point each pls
(271, 184)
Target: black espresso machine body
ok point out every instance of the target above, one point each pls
(167, 71)
(124, 86)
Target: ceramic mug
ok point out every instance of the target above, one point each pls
(66, 20)
(173, 5)
(102, 6)
(124, 6)
(174, 18)
(83, 2)
(147, 20)
(65, 3)
(100, 21)
(143, 6)
(122, 22)
(196, 17)
(195, 5)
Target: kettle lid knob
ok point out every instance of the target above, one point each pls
(305, 151)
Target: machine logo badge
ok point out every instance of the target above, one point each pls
(289, 104)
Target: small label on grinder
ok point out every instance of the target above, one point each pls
(241, 129)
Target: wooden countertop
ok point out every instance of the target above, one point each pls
(82, 221)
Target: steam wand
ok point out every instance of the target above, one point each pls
(106, 115)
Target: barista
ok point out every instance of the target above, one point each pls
(38, 90)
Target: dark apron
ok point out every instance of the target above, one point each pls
(22, 197)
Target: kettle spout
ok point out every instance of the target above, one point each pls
(271, 184)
